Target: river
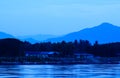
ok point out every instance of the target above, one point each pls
(60, 71)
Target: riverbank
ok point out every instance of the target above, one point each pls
(57, 61)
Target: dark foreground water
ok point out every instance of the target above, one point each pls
(60, 71)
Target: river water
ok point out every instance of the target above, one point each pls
(60, 71)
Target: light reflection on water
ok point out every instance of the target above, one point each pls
(60, 71)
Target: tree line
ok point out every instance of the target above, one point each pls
(10, 47)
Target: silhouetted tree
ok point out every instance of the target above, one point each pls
(11, 47)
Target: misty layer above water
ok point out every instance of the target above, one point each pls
(60, 71)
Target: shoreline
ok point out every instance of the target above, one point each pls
(36, 63)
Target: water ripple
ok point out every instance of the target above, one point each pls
(60, 71)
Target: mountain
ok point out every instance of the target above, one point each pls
(31, 40)
(104, 33)
(5, 35)
(35, 38)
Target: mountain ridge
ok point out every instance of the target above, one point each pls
(5, 35)
(104, 33)
(35, 38)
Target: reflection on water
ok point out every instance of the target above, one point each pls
(60, 71)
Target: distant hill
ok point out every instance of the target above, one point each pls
(104, 33)
(5, 35)
(35, 38)
(31, 40)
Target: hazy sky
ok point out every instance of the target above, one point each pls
(57, 17)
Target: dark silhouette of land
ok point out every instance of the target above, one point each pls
(100, 44)
(13, 50)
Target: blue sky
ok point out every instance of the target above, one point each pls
(57, 17)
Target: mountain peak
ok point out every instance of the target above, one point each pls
(106, 24)
(104, 33)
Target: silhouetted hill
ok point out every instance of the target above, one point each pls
(103, 33)
(11, 47)
(5, 35)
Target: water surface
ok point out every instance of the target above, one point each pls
(60, 71)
